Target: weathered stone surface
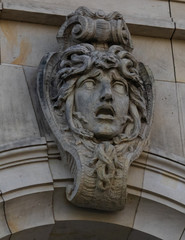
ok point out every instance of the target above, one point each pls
(4, 230)
(159, 220)
(144, 8)
(23, 167)
(30, 211)
(136, 175)
(157, 54)
(66, 211)
(150, 27)
(183, 235)
(24, 44)
(143, 17)
(166, 140)
(177, 11)
(17, 115)
(179, 59)
(98, 102)
(27, 187)
(164, 182)
(31, 76)
(181, 102)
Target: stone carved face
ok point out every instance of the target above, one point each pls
(102, 99)
(102, 92)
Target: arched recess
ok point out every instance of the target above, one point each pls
(82, 230)
(33, 204)
(91, 230)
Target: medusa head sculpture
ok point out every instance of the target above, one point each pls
(98, 101)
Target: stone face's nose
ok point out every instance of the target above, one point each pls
(106, 93)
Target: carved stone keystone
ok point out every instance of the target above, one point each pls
(98, 101)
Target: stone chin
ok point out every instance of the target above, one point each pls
(106, 132)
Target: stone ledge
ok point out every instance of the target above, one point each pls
(39, 13)
(48, 15)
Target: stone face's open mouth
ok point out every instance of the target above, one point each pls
(105, 113)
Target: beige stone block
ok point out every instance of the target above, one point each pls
(150, 27)
(157, 54)
(181, 101)
(177, 13)
(177, 10)
(4, 230)
(165, 136)
(24, 168)
(59, 170)
(159, 220)
(30, 211)
(25, 43)
(24, 176)
(179, 59)
(58, 166)
(146, 18)
(136, 175)
(17, 115)
(65, 211)
(31, 78)
(164, 182)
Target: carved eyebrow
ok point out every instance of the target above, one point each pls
(114, 75)
(92, 74)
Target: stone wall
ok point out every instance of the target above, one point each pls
(33, 177)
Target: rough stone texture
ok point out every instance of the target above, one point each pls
(98, 102)
(157, 54)
(17, 115)
(24, 44)
(153, 218)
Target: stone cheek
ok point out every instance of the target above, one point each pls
(98, 101)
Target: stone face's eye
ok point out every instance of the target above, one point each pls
(88, 84)
(119, 87)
